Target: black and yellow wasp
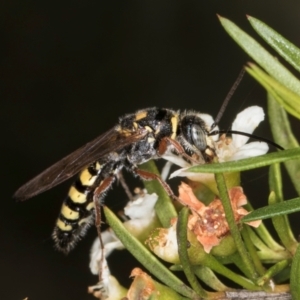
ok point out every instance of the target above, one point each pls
(147, 134)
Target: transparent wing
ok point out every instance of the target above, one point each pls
(108, 142)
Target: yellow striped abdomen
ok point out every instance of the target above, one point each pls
(76, 214)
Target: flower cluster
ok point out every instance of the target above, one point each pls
(207, 224)
(142, 220)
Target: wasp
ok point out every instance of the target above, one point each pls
(150, 133)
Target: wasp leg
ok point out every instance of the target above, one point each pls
(121, 179)
(166, 141)
(98, 195)
(151, 176)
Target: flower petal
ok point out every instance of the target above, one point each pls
(237, 197)
(250, 150)
(180, 173)
(188, 198)
(209, 121)
(163, 242)
(200, 177)
(142, 207)
(166, 170)
(208, 242)
(109, 290)
(246, 121)
(175, 159)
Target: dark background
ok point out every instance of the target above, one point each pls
(69, 70)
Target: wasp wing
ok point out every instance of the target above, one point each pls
(111, 141)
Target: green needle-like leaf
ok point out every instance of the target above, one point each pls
(284, 136)
(233, 226)
(248, 163)
(278, 209)
(261, 56)
(274, 270)
(285, 97)
(183, 253)
(280, 125)
(252, 251)
(285, 48)
(209, 277)
(281, 223)
(295, 275)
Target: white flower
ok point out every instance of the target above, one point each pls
(235, 147)
(110, 242)
(109, 287)
(163, 242)
(142, 207)
(142, 214)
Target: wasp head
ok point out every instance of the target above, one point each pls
(193, 132)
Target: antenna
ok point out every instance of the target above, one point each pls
(227, 98)
(222, 110)
(258, 138)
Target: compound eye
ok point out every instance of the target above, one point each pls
(198, 137)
